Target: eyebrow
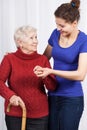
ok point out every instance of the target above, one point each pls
(61, 25)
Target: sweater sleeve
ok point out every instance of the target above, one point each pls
(49, 81)
(5, 70)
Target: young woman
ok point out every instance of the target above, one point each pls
(23, 85)
(68, 47)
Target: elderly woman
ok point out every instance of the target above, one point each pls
(23, 85)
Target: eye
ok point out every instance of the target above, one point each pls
(31, 37)
(35, 37)
(60, 25)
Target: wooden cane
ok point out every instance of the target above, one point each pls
(23, 114)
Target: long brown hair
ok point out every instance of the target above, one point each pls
(69, 11)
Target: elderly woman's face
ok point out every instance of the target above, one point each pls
(29, 44)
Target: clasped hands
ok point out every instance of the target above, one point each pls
(41, 72)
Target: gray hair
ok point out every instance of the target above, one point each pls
(22, 33)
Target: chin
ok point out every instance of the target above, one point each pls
(35, 50)
(65, 34)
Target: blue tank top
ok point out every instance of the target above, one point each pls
(67, 59)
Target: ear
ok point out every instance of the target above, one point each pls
(75, 23)
(19, 43)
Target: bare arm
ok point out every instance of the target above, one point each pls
(48, 51)
(78, 74)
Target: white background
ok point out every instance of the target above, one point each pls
(38, 13)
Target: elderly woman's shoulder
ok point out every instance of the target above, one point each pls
(8, 54)
(42, 56)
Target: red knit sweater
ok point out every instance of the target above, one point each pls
(17, 69)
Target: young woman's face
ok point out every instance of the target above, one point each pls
(30, 42)
(64, 27)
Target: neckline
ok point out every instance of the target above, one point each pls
(70, 45)
(24, 56)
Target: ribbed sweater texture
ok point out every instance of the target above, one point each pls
(17, 78)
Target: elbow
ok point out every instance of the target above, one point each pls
(81, 77)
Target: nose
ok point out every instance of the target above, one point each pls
(59, 28)
(35, 41)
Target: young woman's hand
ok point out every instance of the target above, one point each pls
(42, 72)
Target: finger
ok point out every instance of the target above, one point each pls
(35, 68)
(38, 68)
(14, 103)
(20, 101)
(38, 73)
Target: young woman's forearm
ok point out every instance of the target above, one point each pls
(72, 75)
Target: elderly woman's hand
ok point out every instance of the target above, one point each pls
(42, 72)
(16, 100)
